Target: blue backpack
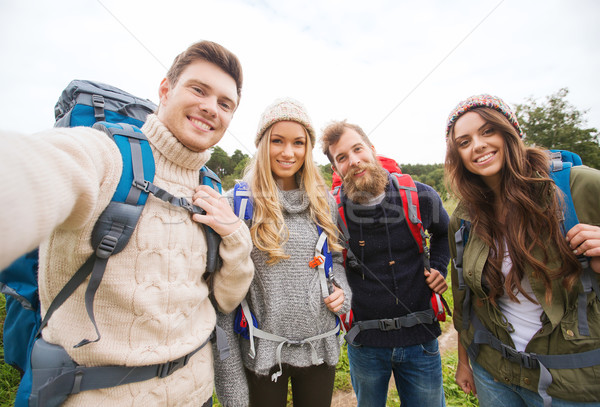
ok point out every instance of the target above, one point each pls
(561, 163)
(85, 103)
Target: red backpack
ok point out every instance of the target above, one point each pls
(410, 204)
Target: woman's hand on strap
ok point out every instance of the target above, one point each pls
(585, 239)
(335, 300)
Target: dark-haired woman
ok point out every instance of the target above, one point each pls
(520, 273)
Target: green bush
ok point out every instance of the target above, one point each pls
(9, 376)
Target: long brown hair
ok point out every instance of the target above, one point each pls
(529, 197)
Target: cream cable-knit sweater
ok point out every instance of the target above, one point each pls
(152, 305)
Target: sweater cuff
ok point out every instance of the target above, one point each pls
(240, 235)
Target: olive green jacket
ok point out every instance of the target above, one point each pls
(559, 333)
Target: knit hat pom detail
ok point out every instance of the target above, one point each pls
(483, 100)
(284, 109)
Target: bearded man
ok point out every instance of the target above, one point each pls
(391, 282)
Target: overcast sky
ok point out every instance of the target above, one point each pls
(396, 68)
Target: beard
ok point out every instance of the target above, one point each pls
(371, 184)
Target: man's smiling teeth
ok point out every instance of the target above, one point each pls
(200, 124)
(485, 157)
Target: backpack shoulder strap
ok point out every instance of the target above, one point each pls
(410, 204)
(213, 239)
(460, 238)
(560, 172)
(210, 178)
(341, 216)
(242, 201)
(323, 262)
(350, 260)
(115, 225)
(138, 161)
(561, 162)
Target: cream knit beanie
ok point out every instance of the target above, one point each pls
(285, 109)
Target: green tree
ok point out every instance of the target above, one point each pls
(220, 162)
(229, 181)
(326, 173)
(237, 157)
(556, 124)
(241, 165)
(430, 174)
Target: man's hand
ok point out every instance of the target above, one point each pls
(436, 281)
(585, 239)
(219, 214)
(335, 300)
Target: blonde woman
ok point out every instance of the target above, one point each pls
(298, 319)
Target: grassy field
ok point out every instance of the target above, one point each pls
(9, 377)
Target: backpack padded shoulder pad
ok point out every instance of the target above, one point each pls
(114, 227)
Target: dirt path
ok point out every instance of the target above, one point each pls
(447, 341)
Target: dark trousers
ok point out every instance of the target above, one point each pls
(311, 387)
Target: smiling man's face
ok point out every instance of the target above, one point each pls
(200, 106)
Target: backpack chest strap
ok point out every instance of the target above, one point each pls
(259, 333)
(530, 360)
(390, 324)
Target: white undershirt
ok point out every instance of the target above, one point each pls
(524, 316)
(375, 200)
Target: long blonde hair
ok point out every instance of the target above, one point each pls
(269, 232)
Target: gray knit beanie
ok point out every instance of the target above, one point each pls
(285, 109)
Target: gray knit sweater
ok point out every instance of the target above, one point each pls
(286, 300)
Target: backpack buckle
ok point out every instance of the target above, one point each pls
(387, 324)
(317, 261)
(98, 103)
(167, 368)
(143, 186)
(584, 261)
(528, 361)
(510, 354)
(107, 246)
(193, 209)
(522, 358)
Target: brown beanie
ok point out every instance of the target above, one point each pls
(285, 109)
